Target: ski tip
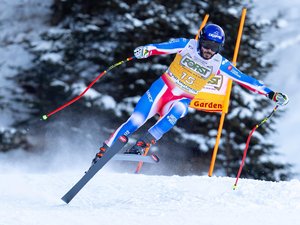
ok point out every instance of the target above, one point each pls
(65, 200)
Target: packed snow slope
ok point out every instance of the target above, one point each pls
(32, 197)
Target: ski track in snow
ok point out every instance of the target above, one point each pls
(122, 198)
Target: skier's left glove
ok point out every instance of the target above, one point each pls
(141, 52)
(279, 98)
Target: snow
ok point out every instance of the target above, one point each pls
(30, 196)
(52, 57)
(18, 24)
(31, 185)
(107, 102)
(286, 76)
(194, 137)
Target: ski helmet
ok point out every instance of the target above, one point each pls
(212, 36)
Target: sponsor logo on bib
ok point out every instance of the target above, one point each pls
(188, 62)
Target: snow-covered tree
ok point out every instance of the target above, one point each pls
(87, 37)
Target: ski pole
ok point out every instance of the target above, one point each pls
(45, 117)
(248, 141)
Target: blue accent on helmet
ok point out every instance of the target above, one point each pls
(214, 33)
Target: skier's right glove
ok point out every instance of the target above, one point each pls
(279, 98)
(141, 52)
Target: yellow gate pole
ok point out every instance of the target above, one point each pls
(204, 21)
(140, 164)
(228, 91)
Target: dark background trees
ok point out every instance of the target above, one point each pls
(86, 37)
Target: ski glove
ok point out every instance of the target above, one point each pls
(141, 52)
(279, 98)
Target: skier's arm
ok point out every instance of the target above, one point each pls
(251, 83)
(164, 48)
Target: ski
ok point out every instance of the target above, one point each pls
(114, 149)
(137, 158)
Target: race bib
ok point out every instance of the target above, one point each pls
(189, 74)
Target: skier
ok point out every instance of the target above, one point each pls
(195, 64)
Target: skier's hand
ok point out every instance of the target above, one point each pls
(141, 52)
(279, 98)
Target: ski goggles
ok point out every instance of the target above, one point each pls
(207, 44)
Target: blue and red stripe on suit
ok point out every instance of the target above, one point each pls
(170, 95)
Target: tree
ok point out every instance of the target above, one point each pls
(88, 36)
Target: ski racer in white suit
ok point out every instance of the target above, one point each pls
(195, 64)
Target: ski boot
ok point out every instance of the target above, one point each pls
(141, 144)
(100, 153)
